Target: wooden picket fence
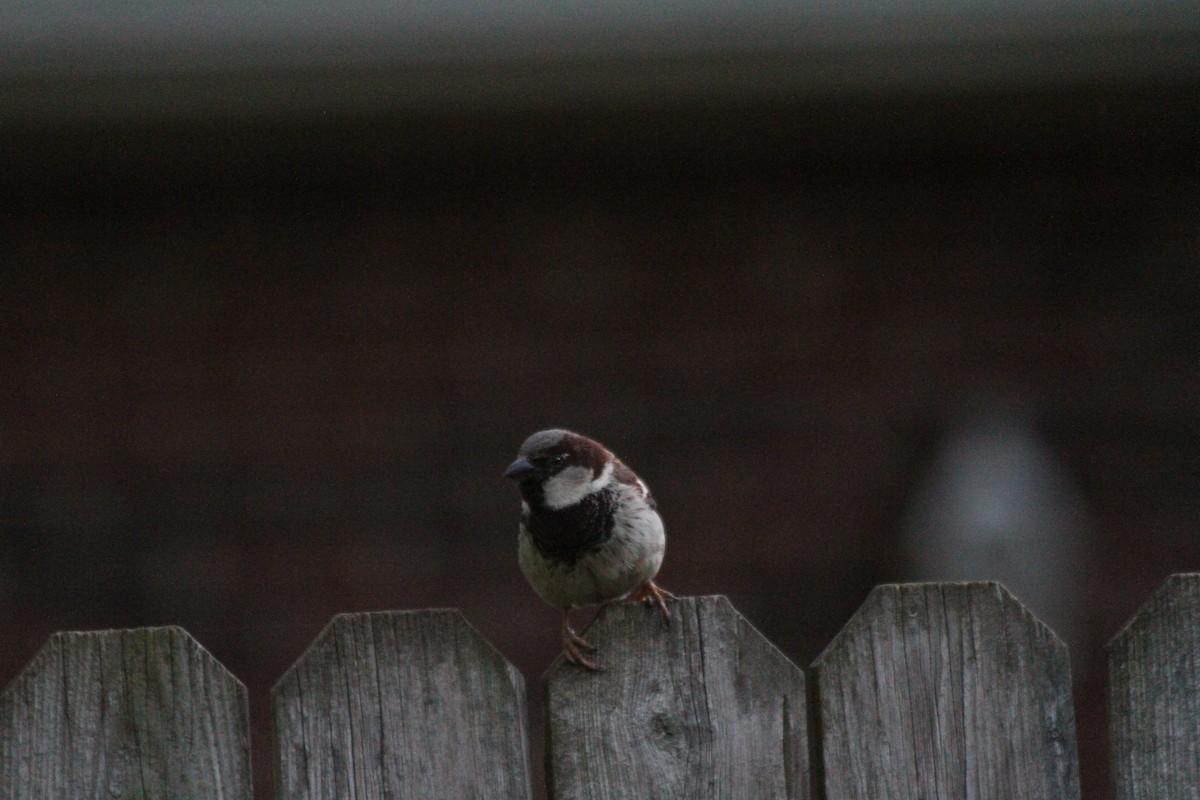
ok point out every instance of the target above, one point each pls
(931, 691)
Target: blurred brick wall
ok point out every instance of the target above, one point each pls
(243, 395)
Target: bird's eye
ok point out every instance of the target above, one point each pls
(559, 459)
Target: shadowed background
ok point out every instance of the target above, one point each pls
(860, 305)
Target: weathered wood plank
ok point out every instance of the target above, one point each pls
(706, 708)
(405, 704)
(145, 713)
(945, 691)
(1154, 696)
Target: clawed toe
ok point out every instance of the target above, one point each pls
(650, 592)
(577, 640)
(572, 653)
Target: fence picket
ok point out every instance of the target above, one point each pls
(945, 690)
(411, 704)
(141, 713)
(705, 708)
(1154, 696)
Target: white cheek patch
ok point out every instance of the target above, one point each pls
(602, 481)
(572, 485)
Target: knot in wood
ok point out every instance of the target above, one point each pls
(666, 726)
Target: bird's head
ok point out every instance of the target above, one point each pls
(557, 468)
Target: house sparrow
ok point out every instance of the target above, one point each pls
(589, 530)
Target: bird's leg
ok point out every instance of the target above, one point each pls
(574, 645)
(650, 592)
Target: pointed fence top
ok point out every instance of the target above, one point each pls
(1154, 695)
(401, 703)
(945, 690)
(703, 708)
(143, 712)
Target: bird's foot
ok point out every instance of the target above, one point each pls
(650, 592)
(574, 647)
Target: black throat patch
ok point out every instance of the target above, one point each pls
(566, 534)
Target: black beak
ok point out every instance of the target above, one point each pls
(519, 469)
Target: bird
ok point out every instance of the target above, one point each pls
(590, 532)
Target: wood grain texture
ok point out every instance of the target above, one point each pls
(945, 691)
(1154, 696)
(143, 713)
(706, 708)
(405, 704)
